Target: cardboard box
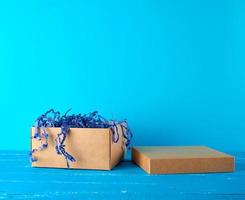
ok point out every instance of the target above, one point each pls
(92, 148)
(177, 159)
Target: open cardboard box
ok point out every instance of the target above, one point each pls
(93, 148)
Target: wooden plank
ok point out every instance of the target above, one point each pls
(127, 181)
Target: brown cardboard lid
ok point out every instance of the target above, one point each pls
(168, 152)
(181, 159)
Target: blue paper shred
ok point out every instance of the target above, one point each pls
(91, 120)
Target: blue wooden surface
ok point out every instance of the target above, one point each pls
(19, 181)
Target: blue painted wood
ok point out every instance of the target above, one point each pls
(18, 180)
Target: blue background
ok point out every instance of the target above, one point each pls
(174, 69)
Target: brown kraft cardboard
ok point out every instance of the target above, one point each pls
(92, 148)
(181, 159)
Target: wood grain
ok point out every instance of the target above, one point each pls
(18, 180)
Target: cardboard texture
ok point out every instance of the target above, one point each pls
(177, 159)
(92, 148)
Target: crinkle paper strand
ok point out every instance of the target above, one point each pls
(91, 120)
